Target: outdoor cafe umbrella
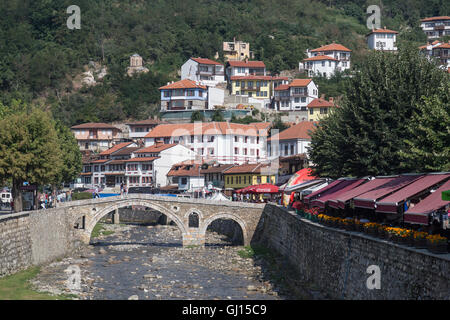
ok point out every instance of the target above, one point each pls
(264, 188)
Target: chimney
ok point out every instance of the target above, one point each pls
(246, 59)
(331, 99)
(384, 27)
(322, 96)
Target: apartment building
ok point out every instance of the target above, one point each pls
(216, 141)
(245, 68)
(436, 27)
(96, 137)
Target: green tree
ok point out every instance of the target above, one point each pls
(29, 151)
(366, 134)
(197, 116)
(71, 155)
(217, 116)
(429, 130)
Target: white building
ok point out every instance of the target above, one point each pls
(326, 60)
(207, 72)
(295, 96)
(436, 27)
(139, 129)
(149, 166)
(382, 39)
(292, 141)
(222, 142)
(245, 68)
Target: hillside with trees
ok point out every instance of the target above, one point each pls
(40, 57)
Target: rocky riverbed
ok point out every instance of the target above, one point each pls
(149, 262)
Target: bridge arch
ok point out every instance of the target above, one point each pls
(95, 217)
(226, 215)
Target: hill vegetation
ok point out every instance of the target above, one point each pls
(40, 57)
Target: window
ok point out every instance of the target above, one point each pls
(183, 180)
(192, 140)
(246, 139)
(311, 111)
(238, 93)
(231, 180)
(228, 180)
(211, 139)
(191, 93)
(323, 110)
(236, 138)
(245, 179)
(297, 100)
(238, 83)
(292, 149)
(239, 179)
(258, 179)
(245, 151)
(286, 149)
(200, 93)
(211, 151)
(236, 150)
(323, 63)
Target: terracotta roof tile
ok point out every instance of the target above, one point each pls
(251, 64)
(299, 82)
(381, 31)
(126, 151)
(157, 147)
(115, 148)
(331, 47)
(217, 168)
(435, 18)
(282, 87)
(320, 57)
(320, 103)
(206, 61)
(184, 170)
(211, 128)
(94, 125)
(251, 77)
(298, 131)
(183, 84)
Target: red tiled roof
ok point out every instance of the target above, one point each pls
(320, 57)
(443, 46)
(126, 151)
(117, 147)
(100, 161)
(299, 131)
(183, 84)
(381, 31)
(280, 78)
(184, 170)
(282, 87)
(157, 147)
(320, 103)
(331, 47)
(251, 64)
(299, 82)
(435, 18)
(141, 159)
(94, 125)
(251, 77)
(221, 128)
(206, 61)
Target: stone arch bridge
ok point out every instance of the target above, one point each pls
(83, 215)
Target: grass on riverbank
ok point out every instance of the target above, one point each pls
(99, 230)
(17, 287)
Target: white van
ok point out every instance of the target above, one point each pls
(5, 197)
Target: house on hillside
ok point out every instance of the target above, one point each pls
(295, 96)
(320, 108)
(326, 60)
(436, 27)
(382, 39)
(236, 50)
(205, 71)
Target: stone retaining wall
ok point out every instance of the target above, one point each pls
(15, 243)
(336, 260)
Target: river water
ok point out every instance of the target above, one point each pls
(149, 262)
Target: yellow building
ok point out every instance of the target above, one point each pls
(320, 108)
(237, 50)
(258, 87)
(242, 176)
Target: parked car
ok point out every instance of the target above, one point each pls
(6, 198)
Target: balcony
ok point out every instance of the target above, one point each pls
(282, 98)
(299, 94)
(250, 88)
